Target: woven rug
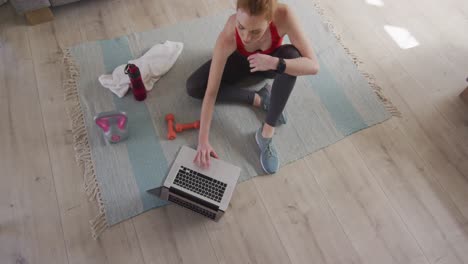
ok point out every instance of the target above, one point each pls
(323, 109)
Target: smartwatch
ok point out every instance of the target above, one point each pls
(281, 66)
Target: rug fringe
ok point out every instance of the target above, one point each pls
(81, 144)
(389, 106)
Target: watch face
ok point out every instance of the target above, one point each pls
(281, 66)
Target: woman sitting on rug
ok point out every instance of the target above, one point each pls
(251, 44)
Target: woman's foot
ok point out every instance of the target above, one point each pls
(268, 155)
(262, 100)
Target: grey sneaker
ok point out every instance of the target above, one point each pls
(268, 155)
(264, 93)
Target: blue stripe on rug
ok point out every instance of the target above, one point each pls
(333, 97)
(149, 165)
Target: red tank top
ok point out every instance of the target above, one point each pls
(276, 41)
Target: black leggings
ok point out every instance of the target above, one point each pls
(237, 68)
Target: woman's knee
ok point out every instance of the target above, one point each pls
(194, 88)
(196, 83)
(289, 51)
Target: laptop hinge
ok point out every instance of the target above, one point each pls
(193, 198)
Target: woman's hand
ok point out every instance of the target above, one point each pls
(262, 62)
(204, 151)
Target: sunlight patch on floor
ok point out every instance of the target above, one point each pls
(402, 37)
(375, 2)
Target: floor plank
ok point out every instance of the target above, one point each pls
(374, 228)
(175, 235)
(430, 93)
(414, 193)
(30, 224)
(433, 143)
(118, 246)
(302, 217)
(252, 225)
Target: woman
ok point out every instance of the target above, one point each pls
(251, 44)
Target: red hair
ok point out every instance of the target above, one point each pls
(258, 7)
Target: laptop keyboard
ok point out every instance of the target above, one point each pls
(200, 184)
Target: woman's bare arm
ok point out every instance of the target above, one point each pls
(308, 63)
(225, 46)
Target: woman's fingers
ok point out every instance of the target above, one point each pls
(207, 159)
(255, 65)
(251, 57)
(202, 158)
(252, 69)
(214, 154)
(198, 159)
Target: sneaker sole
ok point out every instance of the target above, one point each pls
(261, 163)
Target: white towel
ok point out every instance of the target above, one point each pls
(153, 64)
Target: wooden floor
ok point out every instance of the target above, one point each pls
(394, 193)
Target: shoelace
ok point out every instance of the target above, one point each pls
(269, 149)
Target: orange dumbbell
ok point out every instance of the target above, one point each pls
(171, 134)
(182, 127)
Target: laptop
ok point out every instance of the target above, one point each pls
(204, 191)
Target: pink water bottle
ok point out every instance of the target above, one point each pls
(136, 83)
